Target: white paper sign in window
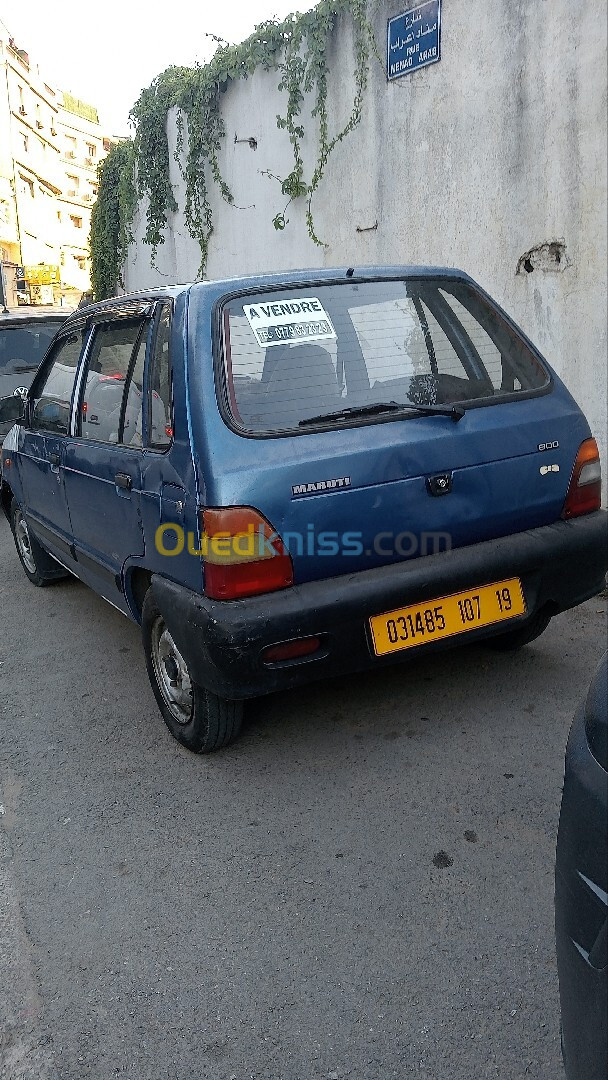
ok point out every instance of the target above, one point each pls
(294, 320)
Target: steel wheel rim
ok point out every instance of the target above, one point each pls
(171, 672)
(24, 543)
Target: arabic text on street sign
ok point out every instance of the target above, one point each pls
(414, 39)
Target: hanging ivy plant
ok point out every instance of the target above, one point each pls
(110, 219)
(297, 47)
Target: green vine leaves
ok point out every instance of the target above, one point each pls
(111, 217)
(297, 48)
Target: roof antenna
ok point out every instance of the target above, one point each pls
(350, 272)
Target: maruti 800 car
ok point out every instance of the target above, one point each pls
(288, 477)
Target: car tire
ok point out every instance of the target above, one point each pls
(516, 639)
(40, 568)
(198, 719)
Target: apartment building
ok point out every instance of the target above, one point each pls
(82, 146)
(50, 147)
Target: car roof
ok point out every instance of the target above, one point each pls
(311, 275)
(21, 316)
(326, 274)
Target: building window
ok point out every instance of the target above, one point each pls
(59, 215)
(76, 221)
(73, 185)
(27, 186)
(91, 150)
(26, 143)
(21, 101)
(70, 146)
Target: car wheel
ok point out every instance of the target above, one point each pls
(40, 567)
(516, 639)
(198, 719)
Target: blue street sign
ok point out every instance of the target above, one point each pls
(414, 39)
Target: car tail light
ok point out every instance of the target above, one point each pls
(242, 553)
(585, 489)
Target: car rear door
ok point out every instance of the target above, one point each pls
(103, 458)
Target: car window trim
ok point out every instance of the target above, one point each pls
(145, 328)
(82, 367)
(149, 446)
(128, 310)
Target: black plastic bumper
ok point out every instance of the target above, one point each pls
(560, 565)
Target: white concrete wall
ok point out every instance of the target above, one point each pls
(470, 162)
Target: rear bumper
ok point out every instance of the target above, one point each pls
(560, 565)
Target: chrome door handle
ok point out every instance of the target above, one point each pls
(54, 459)
(124, 481)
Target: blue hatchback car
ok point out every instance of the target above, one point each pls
(287, 477)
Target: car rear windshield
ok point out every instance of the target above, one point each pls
(297, 354)
(23, 347)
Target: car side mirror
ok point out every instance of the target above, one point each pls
(12, 409)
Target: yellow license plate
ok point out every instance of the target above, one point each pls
(450, 615)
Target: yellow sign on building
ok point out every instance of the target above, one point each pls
(42, 274)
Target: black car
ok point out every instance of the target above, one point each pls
(24, 338)
(581, 889)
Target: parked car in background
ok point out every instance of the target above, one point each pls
(24, 339)
(581, 889)
(283, 478)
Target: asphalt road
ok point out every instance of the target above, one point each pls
(360, 888)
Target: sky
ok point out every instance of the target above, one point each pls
(105, 53)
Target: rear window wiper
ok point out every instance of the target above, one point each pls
(455, 412)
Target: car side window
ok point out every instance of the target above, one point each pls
(112, 400)
(160, 422)
(53, 395)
